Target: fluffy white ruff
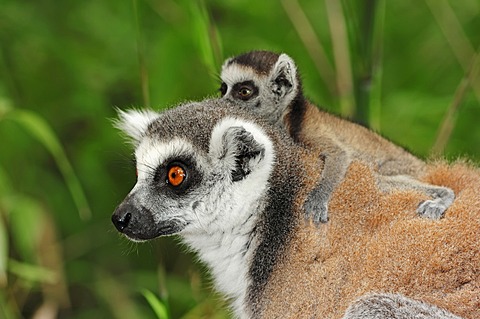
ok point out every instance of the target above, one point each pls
(151, 153)
(134, 123)
(221, 213)
(229, 245)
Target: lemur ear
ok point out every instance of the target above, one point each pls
(283, 77)
(239, 146)
(134, 123)
(244, 149)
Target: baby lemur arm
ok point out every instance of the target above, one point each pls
(337, 160)
(394, 306)
(335, 167)
(442, 197)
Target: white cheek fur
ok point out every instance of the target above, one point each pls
(229, 213)
(151, 153)
(234, 73)
(225, 212)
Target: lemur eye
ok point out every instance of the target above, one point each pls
(245, 92)
(176, 175)
(223, 89)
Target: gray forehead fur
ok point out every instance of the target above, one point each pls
(261, 61)
(195, 121)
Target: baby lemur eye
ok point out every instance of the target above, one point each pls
(245, 90)
(176, 174)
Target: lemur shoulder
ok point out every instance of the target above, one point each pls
(232, 187)
(268, 84)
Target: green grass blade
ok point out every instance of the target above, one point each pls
(3, 254)
(449, 121)
(40, 130)
(25, 225)
(341, 55)
(377, 68)
(6, 310)
(206, 35)
(32, 272)
(5, 194)
(311, 42)
(143, 70)
(157, 305)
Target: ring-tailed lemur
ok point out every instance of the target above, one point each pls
(230, 185)
(268, 84)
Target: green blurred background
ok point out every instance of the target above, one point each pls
(409, 69)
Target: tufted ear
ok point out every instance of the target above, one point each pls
(134, 123)
(241, 147)
(245, 151)
(283, 77)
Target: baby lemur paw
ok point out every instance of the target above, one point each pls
(435, 208)
(432, 208)
(316, 209)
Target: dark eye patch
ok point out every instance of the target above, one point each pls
(191, 178)
(244, 90)
(223, 88)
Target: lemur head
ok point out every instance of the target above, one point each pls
(229, 183)
(199, 170)
(262, 81)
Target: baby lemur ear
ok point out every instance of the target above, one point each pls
(283, 77)
(134, 123)
(239, 146)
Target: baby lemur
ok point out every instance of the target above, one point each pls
(268, 84)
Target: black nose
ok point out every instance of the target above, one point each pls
(121, 217)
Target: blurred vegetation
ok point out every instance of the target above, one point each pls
(409, 69)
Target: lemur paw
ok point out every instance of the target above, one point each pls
(432, 208)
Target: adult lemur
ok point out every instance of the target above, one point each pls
(233, 187)
(268, 84)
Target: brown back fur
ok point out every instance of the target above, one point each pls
(375, 242)
(360, 143)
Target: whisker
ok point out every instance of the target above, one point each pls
(199, 220)
(131, 247)
(149, 166)
(148, 172)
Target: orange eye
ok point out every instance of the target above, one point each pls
(176, 175)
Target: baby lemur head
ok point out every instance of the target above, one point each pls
(264, 82)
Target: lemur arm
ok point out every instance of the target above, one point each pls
(394, 306)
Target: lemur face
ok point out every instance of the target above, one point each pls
(261, 81)
(197, 176)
